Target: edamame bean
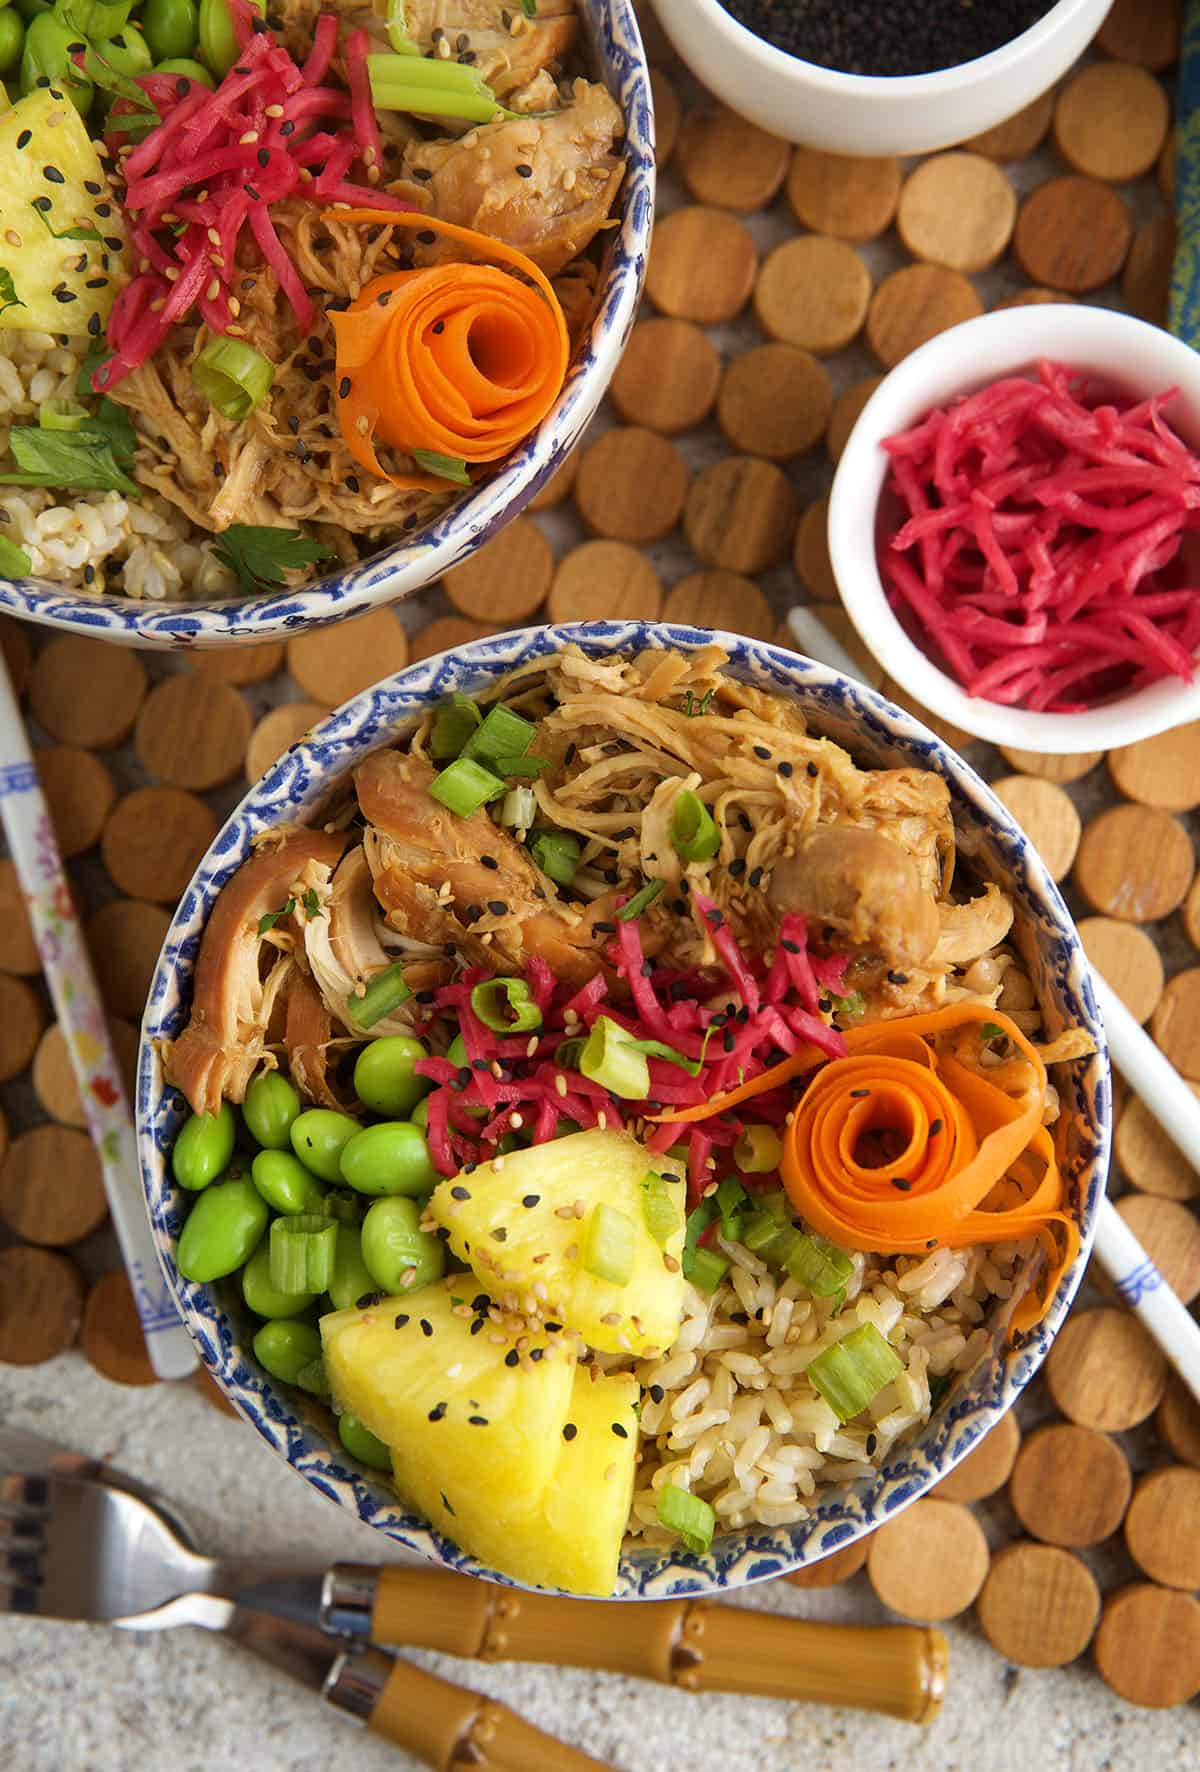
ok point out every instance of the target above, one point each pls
(362, 1444)
(351, 1277)
(420, 1114)
(287, 1349)
(222, 1231)
(272, 1102)
(399, 1256)
(12, 39)
(286, 1184)
(204, 1147)
(183, 69)
(45, 56)
(384, 1077)
(318, 1137)
(217, 39)
(391, 1158)
(171, 27)
(263, 1298)
(127, 52)
(457, 1051)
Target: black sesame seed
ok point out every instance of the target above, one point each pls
(605, 928)
(344, 388)
(535, 1353)
(42, 203)
(264, 156)
(530, 1200)
(64, 295)
(480, 1064)
(621, 1431)
(489, 861)
(477, 1420)
(93, 189)
(812, 770)
(784, 769)
(512, 1357)
(254, 196)
(439, 326)
(367, 1300)
(352, 482)
(460, 1193)
(552, 1328)
(790, 947)
(472, 913)
(401, 1321)
(524, 171)
(737, 867)
(657, 1393)
(760, 750)
(497, 907)
(872, 1442)
(25, 137)
(426, 1326)
(477, 1325)
(427, 236)
(422, 174)
(94, 325)
(481, 1302)
(898, 1181)
(739, 1317)
(435, 1414)
(569, 1430)
(500, 1236)
(89, 575)
(287, 128)
(935, 1127)
(857, 1094)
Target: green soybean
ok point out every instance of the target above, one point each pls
(399, 1256)
(222, 1231)
(420, 1114)
(263, 1298)
(319, 1136)
(362, 1444)
(287, 1349)
(286, 1184)
(203, 1148)
(391, 1158)
(185, 69)
(127, 52)
(217, 39)
(384, 1077)
(171, 27)
(456, 1052)
(12, 38)
(352, 1278)
(272, 1103)
(45, 56)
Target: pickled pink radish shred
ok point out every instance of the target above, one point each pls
(1039, 553)
(211, 170)
(513, 1082)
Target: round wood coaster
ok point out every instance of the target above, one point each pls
(22, 1019)
(504, 581)
(1175, 1024)
(112, 1338)
(124, 939)
(1039, 1605)
(278, 731)
(987, 1468)
(1047, 816)
(810, 556)
(631, 486)
(605, 581)
(1135, 863)
(1147, 1156)
(1162, 771)
(914, 305)
(813, 292)
(1146, 279)
(1072, 233)
(1162, 1527)
(192, 730)
(54, 1078)
(837, 1567)
(80, 794)
(18, 950)
(929, 1562)
(332, 664)
(1104, 1371)
(847, 409)
(444, 633)
(1178, 1421)
(667, 112)
(720, 599)
(1049, 766)
(1146, 35)
(668, 377)
(774, 401)
(957, 210)
(556, 489)
(51, 1188)
(728, 162)
(1111, 120)
(1070, 1485)
(741, 514)
(85, 692)
(153, 840)
(18, 655)
(701, 266)
(847, 196)
(1170, 1235)
(1033, 297)
(1019, 135)
(834, 617)
(41, 1302)
(1127, 959)
(239, 664)
(1147, 1648)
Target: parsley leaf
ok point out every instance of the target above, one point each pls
(446, 467)
(988, 1030)
(14, 561)
(312, 904)
(268, 922)
(8, 293)
(81, 460)
(260, 555)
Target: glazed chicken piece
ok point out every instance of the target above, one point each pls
(308, 1031)
(506, 47)
(864, 886)
(344, 951)
(552, 209)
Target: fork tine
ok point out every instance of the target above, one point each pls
(17, 1596)
(18, 1490)
(21, 1564)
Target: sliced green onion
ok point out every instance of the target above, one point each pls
(521, 766)
(708, 1269)
(758, 1150)
(732, 1200)
(519, 809)
(694, 836)
(454, 720)
(689, 1515)
(698, 1221)
(397, 29)
(775, 1205)
(659, 1208)
(345, 1207)
(502, 734)
(568, 1054)
(443, 467)
(611, 1058)
(313, 1378)
(464, 786)
(851, 1373)
(14, 561)
(385, 992)
(431, 87)
(818, 1265)
(557, 854)
(609, 1244)
(505, 1006)
(62, 415)
(303, 1247)
(640, 900)
(761, 1233)
(233, 376)
(855, 1004)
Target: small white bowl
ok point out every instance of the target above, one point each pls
(861, 114)
(1137, 358)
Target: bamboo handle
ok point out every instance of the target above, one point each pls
(451, 1728)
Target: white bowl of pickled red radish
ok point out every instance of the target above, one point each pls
(1012, 528)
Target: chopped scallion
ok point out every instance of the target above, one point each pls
(519, 809)
(689, 1515)
(502, 734)
(431, 87)
(707, 1269)
(659, 1207)
(62, 415)
(758, 1150)
(557, 854)
(609, 1244)
(694, 835)
(732, 1200)
(302, 1251)
(464, 786)
(611, 1058)
(233, 376)
(454, 720)
(521, 766)
(851, 1373)
(385, 992)
(698, 1221)
(568, 1053)
(640, 900)
(818, 1265)
(505, 1006)
(442, 467)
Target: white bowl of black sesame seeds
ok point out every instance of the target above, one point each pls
(905, 77)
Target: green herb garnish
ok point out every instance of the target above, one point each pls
(988, 1030)
(260, 555)
(312, 904)
(446, 467)
(81, 460)
(268, 922)
(8, 294)
(81, 233)
(14, 561)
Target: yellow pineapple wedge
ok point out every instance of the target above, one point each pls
(541, 1230)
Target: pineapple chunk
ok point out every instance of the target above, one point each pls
(55, 182)
(519, 1229)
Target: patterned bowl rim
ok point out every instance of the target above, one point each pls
(847, 711)
(404, 567)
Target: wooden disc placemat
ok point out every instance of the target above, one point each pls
(1170, 1235)
(847, 410)
(1039, 1605)
(930, 1562)
(80, 793)
(192, 730)
(239, 664)
(332, 664)
(446, 632)
(1104, 1371)
(605, 575)
(1019, 135)
(1147, 1647)
(1146, 35)
(1178, 1421)
(914, 305)
(720, 599)
(988, 1467)
(112, 1339)
(22, 1019)
(1162, 771)
(1072, 234)
(668, 378)
(726, 161)
(1047, 816)
(741, 514)
(124, 939)
(631, 486)
(1051, 766)
(153, 841)
(18, 949)
(957, 210)
(702, 265)
(837, 1567)
(1161, 1526)
(813, 292)
(775, 401)
(1126, 959)
(1148, 1157)
(278, 731)
(1135, 862)
(41, 1303)
(85, 693)
(1070, 1485)
(502, 582)
(1175, 1024)
(848, 197)
(53, 1076)
(1111, 120)
(51, 1189)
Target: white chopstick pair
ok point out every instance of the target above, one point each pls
(1133, 1274)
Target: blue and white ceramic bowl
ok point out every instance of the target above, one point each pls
(617, 55)
(878, 733)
